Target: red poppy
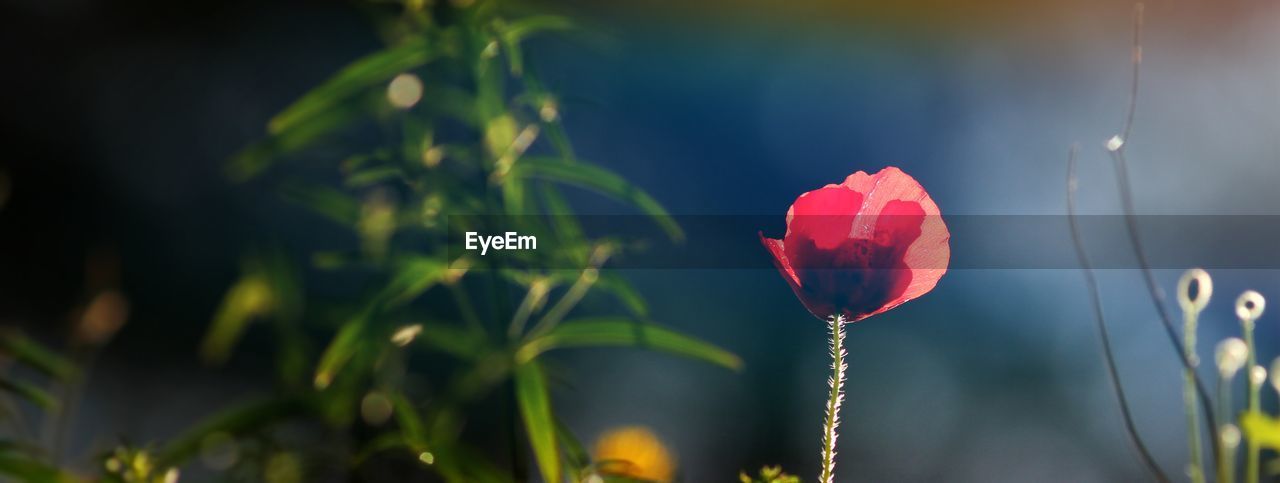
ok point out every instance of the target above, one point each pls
(863, 246)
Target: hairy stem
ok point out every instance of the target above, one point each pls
(836, 382)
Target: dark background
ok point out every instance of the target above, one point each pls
(118, 115)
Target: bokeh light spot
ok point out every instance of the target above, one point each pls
(404, 91)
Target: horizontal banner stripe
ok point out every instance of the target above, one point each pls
(977, 241)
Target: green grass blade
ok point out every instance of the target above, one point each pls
(344, 345)
(518, 30)
(371, 176)
(511, 35)
(248, 298)
(535, 408)
(461, 342)
(31, 393)
(235, 421)
(31, 470)
(614, 331)
(575, 455)
(410, 421)
(29, 352)
(602, 181)
(414, 275)
(335, 205)
(301, 134)
(621, 289)
(367, 71)
(563, 223)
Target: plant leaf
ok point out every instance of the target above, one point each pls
(624, 292)
(340, 350)
(600, 180)
(253, 160)
(235, 421)
(414, 275)
(33, 354)
(31, 470)
(518, 30)
(374, 175)
(367, 71)
(574, 454)
(564, 224)
(535, 408)
(331, 203)
(511, 35)
(615, 331)
(460, 342)
(1260, 428)
(29, 392)
(410, 421)
(248, 298)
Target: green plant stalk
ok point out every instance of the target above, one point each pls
(1252, 459)
(466, 308)
(836, 382)
(1195, 468)
(566, 303)
(571, 297)
(1226, 464)
(532, 301)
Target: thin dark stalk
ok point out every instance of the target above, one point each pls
(1095, 297)
(1131, 226)
(1135, 76)
(1157, 295)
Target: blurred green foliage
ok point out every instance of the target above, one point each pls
(465, 129)
(768, 474)
(30, 368)
(432, 363)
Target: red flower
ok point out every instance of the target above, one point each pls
(862, 247)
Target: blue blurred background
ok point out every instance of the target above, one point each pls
(120, 115)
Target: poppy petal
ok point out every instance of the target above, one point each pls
(776, 249)
(900, 197)
(864, 246)
(824, 216)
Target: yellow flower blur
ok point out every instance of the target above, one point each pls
(634, 452)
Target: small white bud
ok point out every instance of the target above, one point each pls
(1194, 303)
(432, 156)
(1115, 143)
(549, 112)
(404, 91)
(1230, 436)
(1258, 375)
(1249, 306)
(1230, 356)
(1275, 374)
(405, 335)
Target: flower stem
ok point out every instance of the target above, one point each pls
(1227, 464)
(836, 382)
(1252, 463)
(1195, 468)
